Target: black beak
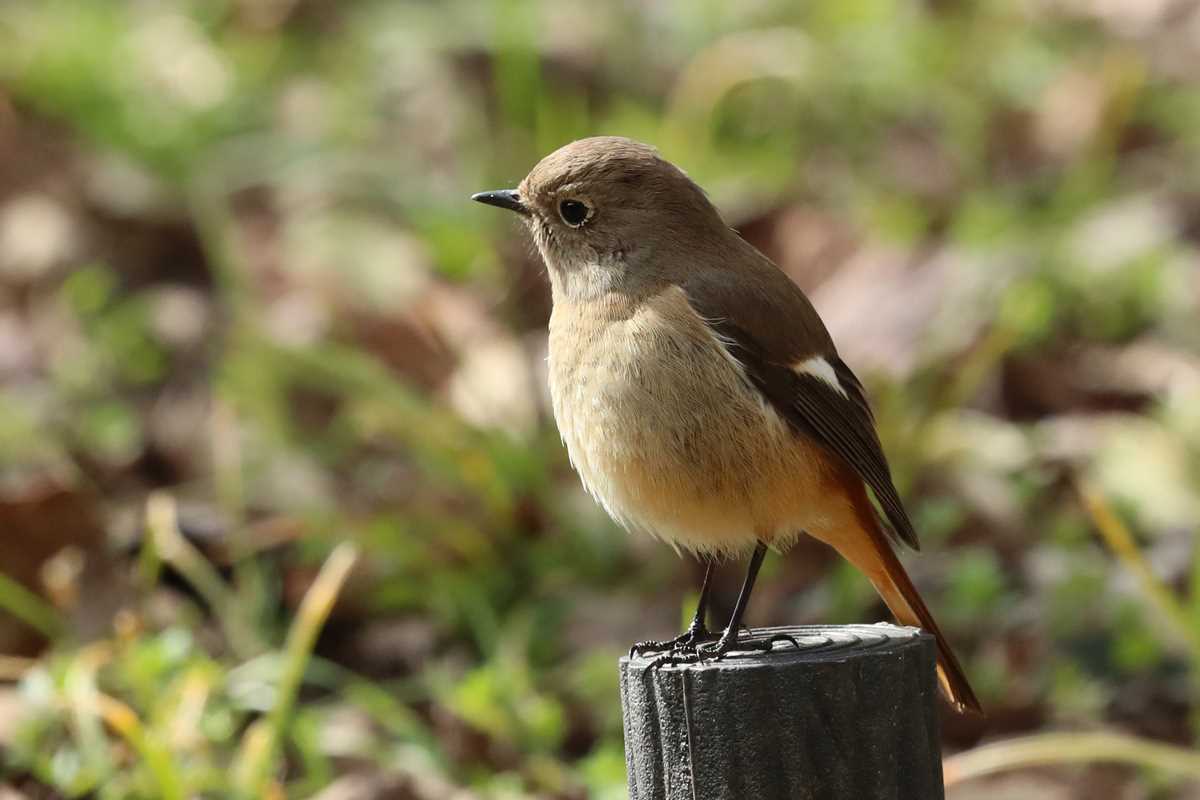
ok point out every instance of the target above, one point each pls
(502, 198)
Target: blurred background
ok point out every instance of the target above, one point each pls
(283, 512)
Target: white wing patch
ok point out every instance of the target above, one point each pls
(818, 367)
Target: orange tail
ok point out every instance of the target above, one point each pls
(897, 590)
(874, 556)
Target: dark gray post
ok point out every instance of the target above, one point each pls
(850, 715)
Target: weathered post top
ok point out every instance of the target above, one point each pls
(849, 715)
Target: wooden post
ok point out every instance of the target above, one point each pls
(850, 715)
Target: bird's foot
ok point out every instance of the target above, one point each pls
(686, 642)
(728, 644)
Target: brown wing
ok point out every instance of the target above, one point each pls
(843, 423)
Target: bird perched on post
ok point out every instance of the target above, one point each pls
(699, 395)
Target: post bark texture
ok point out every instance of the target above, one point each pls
(849, 715)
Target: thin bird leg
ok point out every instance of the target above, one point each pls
(729, 641)
(729, 638)
(696, 633)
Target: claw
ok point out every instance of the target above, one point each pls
(782, 637)
(687, 641)
(674, 658)
(730, 642)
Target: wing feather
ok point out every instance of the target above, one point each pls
(843, 423)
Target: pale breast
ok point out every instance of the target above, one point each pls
(667, 434)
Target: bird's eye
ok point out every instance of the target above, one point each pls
(573, 212)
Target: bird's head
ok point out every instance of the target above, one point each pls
(608, 213)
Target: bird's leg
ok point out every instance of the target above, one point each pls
(729, 639)
(696, 633)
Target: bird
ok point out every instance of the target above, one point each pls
(698, 393)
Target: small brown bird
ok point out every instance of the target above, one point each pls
(699, 395)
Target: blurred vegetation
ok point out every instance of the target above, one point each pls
(240, 276)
